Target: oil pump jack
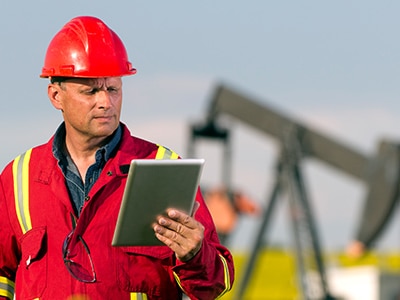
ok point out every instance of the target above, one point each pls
(379, 173)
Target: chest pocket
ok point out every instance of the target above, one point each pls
(33, 266)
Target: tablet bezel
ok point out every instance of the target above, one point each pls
(152, 186)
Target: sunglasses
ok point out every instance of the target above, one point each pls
(77, 259)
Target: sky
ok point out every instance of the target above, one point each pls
(332, 65)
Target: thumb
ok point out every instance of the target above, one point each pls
(196, 206)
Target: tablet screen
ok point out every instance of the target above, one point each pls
(153, 186)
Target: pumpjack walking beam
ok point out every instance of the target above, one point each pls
(380, 173)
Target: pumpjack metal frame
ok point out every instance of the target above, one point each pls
(289, 180)
(381, 174)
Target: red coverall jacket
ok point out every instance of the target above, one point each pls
(35, 218)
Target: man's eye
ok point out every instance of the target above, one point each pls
(112, 89)
(91, 91)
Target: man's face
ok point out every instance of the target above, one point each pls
(91, 106)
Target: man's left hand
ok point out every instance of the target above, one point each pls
(180, 232)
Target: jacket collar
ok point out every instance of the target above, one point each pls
(128, 149)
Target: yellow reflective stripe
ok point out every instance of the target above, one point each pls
(7, 287)
(138, 296)
(226, 277)
(174, 156)
(165, 153)
(178, 281)
(21, 190)
(227, 280)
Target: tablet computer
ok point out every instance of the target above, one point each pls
(153, 186)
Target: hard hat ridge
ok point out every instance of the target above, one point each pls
(86, 47)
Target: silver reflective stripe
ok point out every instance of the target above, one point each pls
(165, 153)
(21, 190)
(138, 296)
(6, 288)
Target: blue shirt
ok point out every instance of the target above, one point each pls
(78, 190)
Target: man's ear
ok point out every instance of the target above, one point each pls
(53, 92)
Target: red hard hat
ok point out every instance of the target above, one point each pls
(86, 47)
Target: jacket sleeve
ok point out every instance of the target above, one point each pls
(9, 250)
(209, 274)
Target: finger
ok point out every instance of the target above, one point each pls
(173, 229)
(172, 239)
(178, 233)
(184, 249)
(182, 218)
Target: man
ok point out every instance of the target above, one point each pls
(59, 202)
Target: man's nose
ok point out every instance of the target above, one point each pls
(103, 99)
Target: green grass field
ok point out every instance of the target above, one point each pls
(275, 276)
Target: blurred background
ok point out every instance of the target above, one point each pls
(332, 66)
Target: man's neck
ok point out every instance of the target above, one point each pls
(83, 151)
